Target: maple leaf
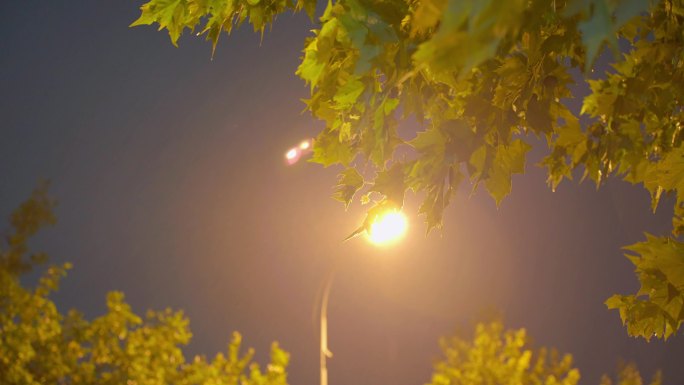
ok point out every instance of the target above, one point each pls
(349, 182)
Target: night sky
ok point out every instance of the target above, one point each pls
(168, 168)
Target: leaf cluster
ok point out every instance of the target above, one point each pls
(212, 17)
(506, 357)
(498, 356)
(628, 374)
(657, 309)
(25, 221)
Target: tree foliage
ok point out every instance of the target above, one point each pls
(498, 356)
(481, 78)
(628, 374)
(506, 357)
(41, 345)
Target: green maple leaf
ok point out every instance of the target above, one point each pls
(597, 29)
(350, 91)
(538, 116)
(329, 150)
(391, 183)
(430, 141)
(314, 63)
(222, 14)
(169, 14)
(309, 6)
(665, 175)
(380, 140)
(670, 171)
(509, 159)
(348, 183)
(433, 208)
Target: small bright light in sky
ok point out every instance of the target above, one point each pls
(293, 155)
(388, 228)
(290, 155)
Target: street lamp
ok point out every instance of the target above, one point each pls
(387, 228)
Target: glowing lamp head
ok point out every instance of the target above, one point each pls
(388, 228)
(305, 145)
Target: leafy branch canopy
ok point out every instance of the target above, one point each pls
(482, 77)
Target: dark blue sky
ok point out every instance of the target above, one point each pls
(171, 186)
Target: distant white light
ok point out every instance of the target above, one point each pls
(303, 149)
(292, 154)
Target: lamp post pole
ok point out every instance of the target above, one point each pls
(325, 352)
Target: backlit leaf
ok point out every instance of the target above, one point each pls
(349, 182)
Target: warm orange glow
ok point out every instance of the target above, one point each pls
(388, 228)
(305, 145)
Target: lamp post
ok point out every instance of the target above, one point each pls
(385, 230)
(325, 352)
